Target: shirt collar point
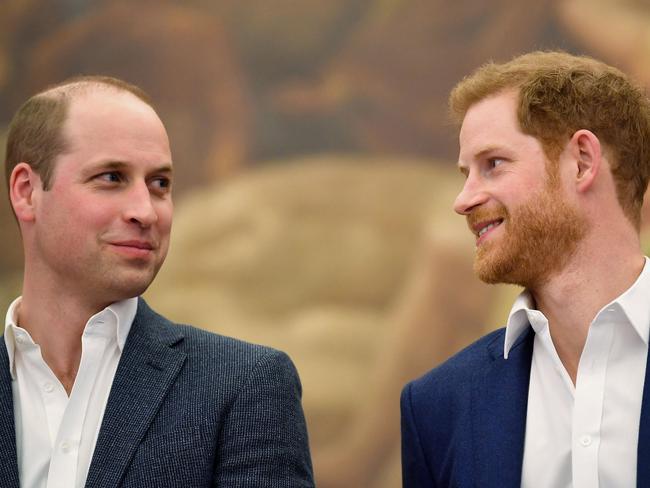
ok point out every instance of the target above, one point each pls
(517, 320)
(125, 312)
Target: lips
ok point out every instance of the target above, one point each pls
(481, 229)
(135, 243)
(138, 249)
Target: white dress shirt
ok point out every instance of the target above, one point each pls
(586, 436)
(56, 434)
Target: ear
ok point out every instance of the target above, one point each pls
(23, 183)
(586, 152)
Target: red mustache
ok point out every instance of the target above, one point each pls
(477, 218)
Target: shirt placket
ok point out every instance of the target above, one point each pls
(588, 405)
(65, 452)
(38, 379)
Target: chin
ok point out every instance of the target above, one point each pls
(509, 272)
(494, 271)
(129, 286)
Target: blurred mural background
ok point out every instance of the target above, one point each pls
(315, 172)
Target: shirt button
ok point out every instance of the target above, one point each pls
(585, 440)
(48, 387)
(66, 446)
(20, 339)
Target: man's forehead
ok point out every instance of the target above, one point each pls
(491, 118)
(99, 100)
(110, 110)
(112, 125)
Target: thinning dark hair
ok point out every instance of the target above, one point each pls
(35, 133)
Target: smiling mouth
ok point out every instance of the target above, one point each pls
(134, 249)
(135, 244)
(484, 228)
(487, 228)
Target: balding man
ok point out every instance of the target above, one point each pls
(96, 389)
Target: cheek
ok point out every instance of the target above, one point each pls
(165, 213)
(93, 217)
(60, 212)
(74, 217)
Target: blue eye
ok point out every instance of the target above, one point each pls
(161, 184)
(494, 162)
(111, 176)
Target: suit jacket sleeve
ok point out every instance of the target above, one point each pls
(264, 442)
(415, 472)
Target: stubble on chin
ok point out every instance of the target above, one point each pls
(119, 280)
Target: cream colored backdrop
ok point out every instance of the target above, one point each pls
(315, 175)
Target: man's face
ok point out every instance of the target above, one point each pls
(102, 230)
(525, 226)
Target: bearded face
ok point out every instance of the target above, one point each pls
(538, 238)
(526, 226)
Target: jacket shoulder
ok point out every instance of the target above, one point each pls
(446, 388)
(210, 351)
(214, 346)
(436, 416)
(460, 368)
(242, 400)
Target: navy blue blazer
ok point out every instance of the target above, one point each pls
(188, 408)
(463, 423)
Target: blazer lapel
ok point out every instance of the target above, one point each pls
(500, 400)
(147, 369)
(9, 459)
(643, 448)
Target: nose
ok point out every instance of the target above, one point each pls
(471, 196)
(140, 209)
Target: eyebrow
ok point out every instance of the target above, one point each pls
(487, 150)
(121, 165)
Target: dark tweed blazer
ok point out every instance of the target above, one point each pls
(189, 409)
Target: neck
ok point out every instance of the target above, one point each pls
(596, 275)
(56, 322)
